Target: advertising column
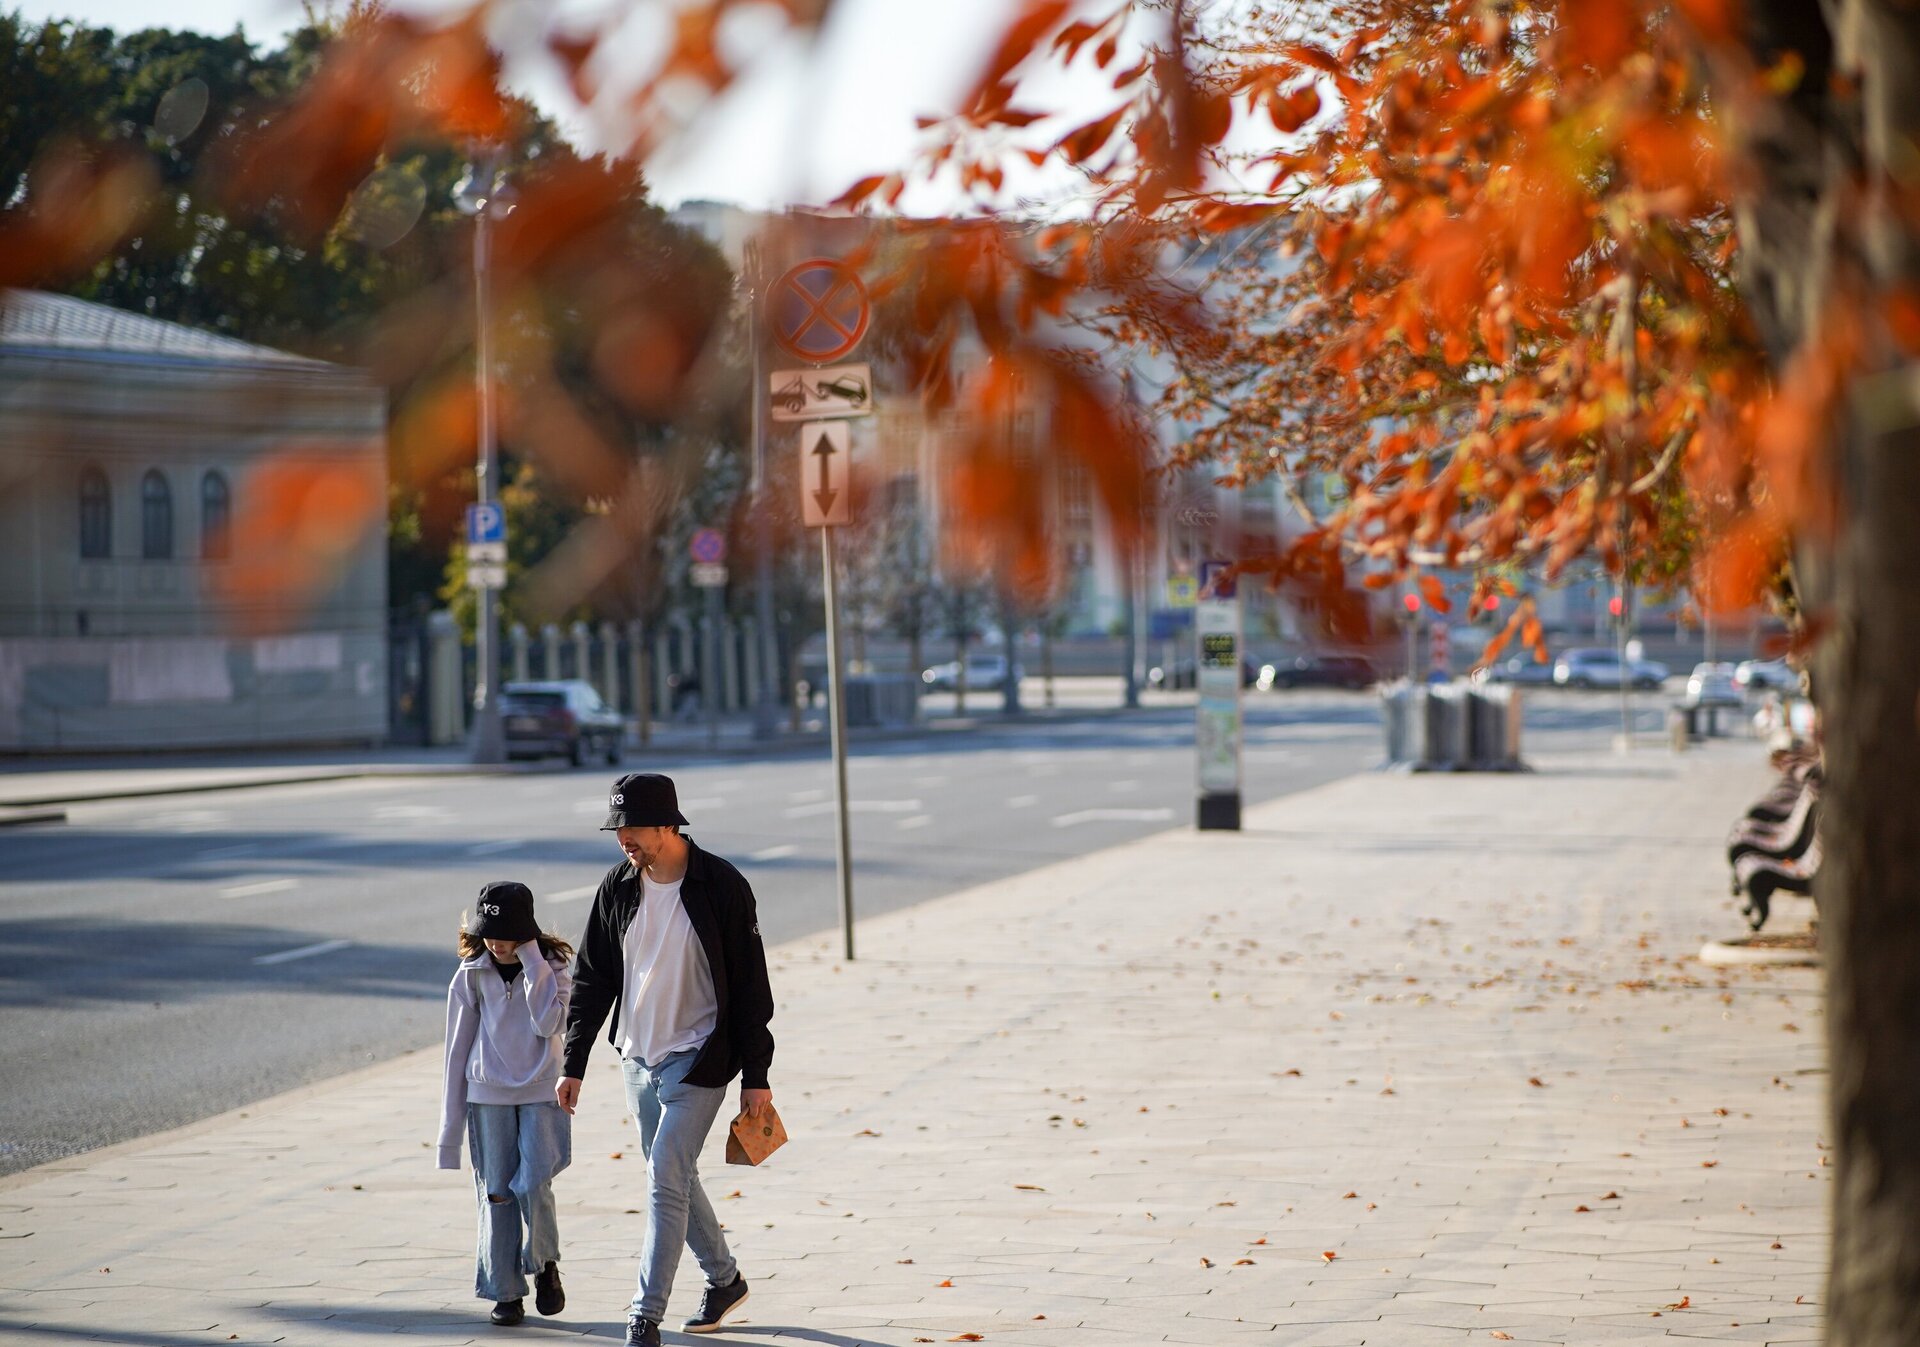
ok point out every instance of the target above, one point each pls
(1217, 733)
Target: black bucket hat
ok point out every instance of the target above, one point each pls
(643, 800)
(505, 912)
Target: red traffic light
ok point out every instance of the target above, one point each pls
(1491, 604)
(1614, 605)
(1413, 603)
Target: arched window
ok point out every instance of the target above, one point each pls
(96, 515)
(216, 513)
(156, 517)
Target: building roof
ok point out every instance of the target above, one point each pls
(37, 320)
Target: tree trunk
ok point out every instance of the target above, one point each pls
(1868, 681)
(1820, 217)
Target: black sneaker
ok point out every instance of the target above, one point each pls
(643, 1333)
(549, 1296)
(507, 1313)
(716, 1305)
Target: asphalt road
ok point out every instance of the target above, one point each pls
(171, 958)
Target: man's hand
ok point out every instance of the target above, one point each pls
(567, 1093)
(753, 1103)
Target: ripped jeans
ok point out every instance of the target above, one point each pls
(516, 1151)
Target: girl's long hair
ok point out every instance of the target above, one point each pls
(472, 946)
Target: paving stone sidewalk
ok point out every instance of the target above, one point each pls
(1413, 1059)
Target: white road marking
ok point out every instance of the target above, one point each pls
(185, 820)
(263, 886)
(774, 853)
(917, 821)
(1023, 801)
(1113, 816)
(572, 895)
(413, 811)
(856, 807)
(304, 952)
(491, 848)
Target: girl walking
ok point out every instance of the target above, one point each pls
(506, 1010)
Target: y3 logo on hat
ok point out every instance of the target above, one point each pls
(490, 909)
(618, 798)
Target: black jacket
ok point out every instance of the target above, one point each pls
(720, 905)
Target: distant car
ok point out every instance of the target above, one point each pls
(1180, 674)
(1766, 675)
(1319, 671)
(985, 673)
(1600, 668)
(1712, 685)
(563, 717)
(1524, 670)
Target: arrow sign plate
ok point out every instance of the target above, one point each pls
(824, 474)
(813, 394)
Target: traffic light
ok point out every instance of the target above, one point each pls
(1616, 606)
(1412, 602)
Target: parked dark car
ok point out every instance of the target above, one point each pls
(1181, 674)
(565, 717)
(1320, 671)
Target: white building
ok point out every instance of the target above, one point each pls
(131, 452)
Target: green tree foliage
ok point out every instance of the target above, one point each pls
(388, 285)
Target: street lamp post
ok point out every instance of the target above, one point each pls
(764, 709)
(480, 193)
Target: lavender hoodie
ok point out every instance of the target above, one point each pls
(503, 1038)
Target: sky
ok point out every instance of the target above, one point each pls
(801, 128)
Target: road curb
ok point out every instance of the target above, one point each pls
(12, 818)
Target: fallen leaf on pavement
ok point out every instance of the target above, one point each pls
(1329, 1255)
(1610, 1196)
(866, 1132)
(1030, 1188)
(1536, 1082)
(947, 1282)
(1708, 1164)
(1206, 1262)
(615, 1155)
(1345, 1196)
(964, 1337)
(1243, 1262)
(1583, 1207)
(1504, 1337)
(1685, 1302)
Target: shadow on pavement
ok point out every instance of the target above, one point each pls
(67, 962)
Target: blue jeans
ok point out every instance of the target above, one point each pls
(674, 1119)
(516, 1150)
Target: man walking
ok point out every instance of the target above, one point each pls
(672, 947)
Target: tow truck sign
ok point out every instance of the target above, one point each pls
(821, 394)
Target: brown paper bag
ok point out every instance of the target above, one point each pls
(750, 1142)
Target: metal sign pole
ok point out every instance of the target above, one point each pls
(837, 721)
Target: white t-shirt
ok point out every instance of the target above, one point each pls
(667, 1003)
